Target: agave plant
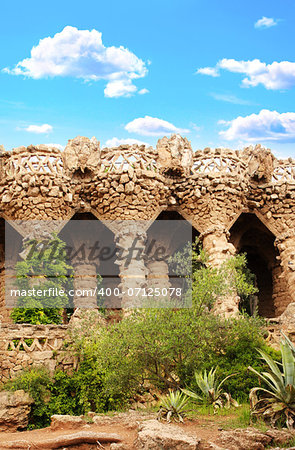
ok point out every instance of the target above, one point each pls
(276, 404)
(173, 406)
(212, 393)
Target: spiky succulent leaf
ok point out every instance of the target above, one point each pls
(288, 364)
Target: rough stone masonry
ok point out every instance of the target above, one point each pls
(236, 201)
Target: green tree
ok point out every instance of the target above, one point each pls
(45, 269)
(163, 347)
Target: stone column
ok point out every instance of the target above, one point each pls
(158, 275)
(131, 241)
(85, 284)
(7, 282)
(286, 247)
(9, 278)
(215, 243)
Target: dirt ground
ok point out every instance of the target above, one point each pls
(204, 429)
(124, 425)
(35, 436)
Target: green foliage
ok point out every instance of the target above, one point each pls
(164, 347)
(231, 278)
(30, 314)
(63, 393)
(36, 382)
(161, 348)
(44, 268)
(173, 406)
(211, 392)
(80, 392)
(276, 404)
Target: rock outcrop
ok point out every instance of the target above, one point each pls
(15, 408)
(154, 435)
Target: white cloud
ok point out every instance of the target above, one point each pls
(115, 142)
(143, 91)
(59, 146)
(211, 71)
(81, 54)
(152, 126)
(265, 22)
(120, 88)
(39, 129)
(230, 98)
(265, 126)
(277, 75)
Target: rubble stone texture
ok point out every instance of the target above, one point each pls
(237, 201)
(155, 435)
(14, 410)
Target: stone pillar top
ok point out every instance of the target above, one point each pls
(82, 153)
(175, 155)
(260, 163)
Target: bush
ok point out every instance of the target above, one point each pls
(74, 394)
(163, 348)
(44, 268)
(36, 382)
(158, 349)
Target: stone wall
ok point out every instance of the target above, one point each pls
(211, 188)
(22, 346)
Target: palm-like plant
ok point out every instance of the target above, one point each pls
(173, 406)
(277, 402)
(212, 393)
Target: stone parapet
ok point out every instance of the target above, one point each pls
(22, 346)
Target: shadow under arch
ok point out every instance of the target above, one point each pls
(171, 238)
(250, 236)
(10, 249)
(94, 232)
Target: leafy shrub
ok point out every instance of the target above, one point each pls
(36, 382)
(44, 268)
(164, 347)
(231, 278)
(63, 393)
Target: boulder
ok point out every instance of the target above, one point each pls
(253, 439)
(15, 408)
(60, 422)
(154, 435)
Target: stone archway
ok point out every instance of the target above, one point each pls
(161, 274)
(8, 259)
(250, 236)
(87, 270)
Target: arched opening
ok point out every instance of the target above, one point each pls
(174, 215)
(9, 256)
(172, 232)
(250, 236)
(88, 241)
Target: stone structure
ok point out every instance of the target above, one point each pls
(14, 410)
(22, 346)
(236, 201)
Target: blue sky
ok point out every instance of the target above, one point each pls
(220, 73)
